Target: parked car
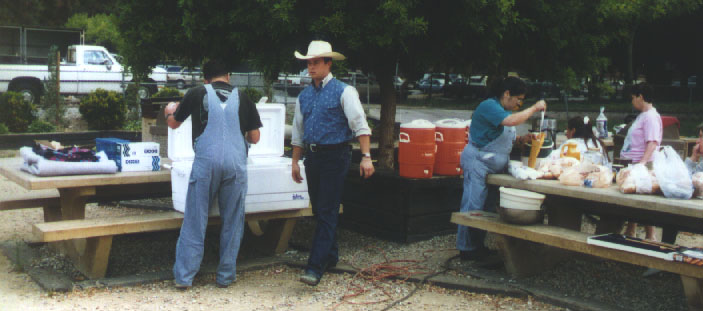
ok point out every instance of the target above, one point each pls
(436, 86)
(457, 87)
(183, 77)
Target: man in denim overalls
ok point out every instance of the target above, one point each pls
(219, 171)
(328, 114)
(492, 135)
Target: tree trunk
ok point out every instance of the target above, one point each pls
(386, 137)
(629, 73)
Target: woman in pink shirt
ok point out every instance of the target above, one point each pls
(643, 138)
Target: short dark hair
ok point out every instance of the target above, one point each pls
(327, 59)
(514, 85)
(213, 69)
(644, 89)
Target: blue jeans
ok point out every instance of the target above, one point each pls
(205, 184)
(325, 171)
(476, 165)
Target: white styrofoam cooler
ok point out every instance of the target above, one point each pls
(270, 186)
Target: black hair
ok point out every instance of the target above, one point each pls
(327, 59)
(213, 69)
(514, 85)
(584, 130)
(644, 89)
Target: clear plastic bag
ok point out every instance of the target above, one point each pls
(672, 174)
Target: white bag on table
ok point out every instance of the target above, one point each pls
(672, 174)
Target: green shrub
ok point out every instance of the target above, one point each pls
(167, 92)
(39, 126)
(104, 110)
(15, 112)
(253, 94)
(3, 129)
(133, 125)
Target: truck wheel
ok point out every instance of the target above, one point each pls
(30, 91)
(143, 92)
(180, 84)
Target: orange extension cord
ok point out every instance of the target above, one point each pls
(373, 277)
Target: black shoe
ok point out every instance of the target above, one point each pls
(180, 286)
(474, 255)
(221, 285)
(310, 278)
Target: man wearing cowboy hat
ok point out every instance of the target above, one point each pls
(328, 115)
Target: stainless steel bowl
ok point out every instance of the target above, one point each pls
(520, 216)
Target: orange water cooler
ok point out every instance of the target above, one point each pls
(451, 137)
(416, 149)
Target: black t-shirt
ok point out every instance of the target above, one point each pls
(195, 103)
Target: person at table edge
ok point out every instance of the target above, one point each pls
(488, 151)
(223, 118)
(642, 139)
(328, 114)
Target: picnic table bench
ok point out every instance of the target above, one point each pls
(87, 242)
(527, 250)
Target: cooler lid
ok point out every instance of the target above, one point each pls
(418, 124)
(452, 123)
(273, 118)
(180, 142)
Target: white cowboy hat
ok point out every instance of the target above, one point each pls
(320, 49)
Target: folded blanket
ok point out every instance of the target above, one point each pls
(37, 165)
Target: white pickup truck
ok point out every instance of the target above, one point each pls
(86, 69)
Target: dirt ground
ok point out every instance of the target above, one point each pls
(274, 288)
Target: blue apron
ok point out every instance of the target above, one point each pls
(477, 163)
(219, 169)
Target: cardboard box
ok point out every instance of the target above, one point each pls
(141, 149)
(139, 164)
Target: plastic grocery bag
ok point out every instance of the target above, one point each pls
(672, 174)
(522, 172)
(641, 178)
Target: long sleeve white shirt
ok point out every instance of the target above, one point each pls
(352, 110)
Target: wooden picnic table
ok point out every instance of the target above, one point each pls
(528, 249)
(88, 242)
(613, 207)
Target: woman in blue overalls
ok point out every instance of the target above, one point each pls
(491, 140)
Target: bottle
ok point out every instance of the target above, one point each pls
(602, 124)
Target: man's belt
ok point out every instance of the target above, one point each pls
(321, 147)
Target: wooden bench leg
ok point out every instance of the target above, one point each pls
(693, 289)
(523, 258)
(276, 236)
(93, 261)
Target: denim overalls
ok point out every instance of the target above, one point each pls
(219, 169)
(477, 163)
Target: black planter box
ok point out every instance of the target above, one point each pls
(390, 207)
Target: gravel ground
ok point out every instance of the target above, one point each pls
(277, 288)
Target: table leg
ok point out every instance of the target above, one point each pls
(276, 236)
(693, 289)
(609, 224)
(562, 212)
(89, 256)
(524, 258)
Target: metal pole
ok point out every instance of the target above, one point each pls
(285, 90)
(566, 103)
(368, 93)
(58, 84)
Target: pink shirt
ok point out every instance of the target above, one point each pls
(647, 127)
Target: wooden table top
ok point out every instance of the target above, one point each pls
(10, 168)
(689, 208)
